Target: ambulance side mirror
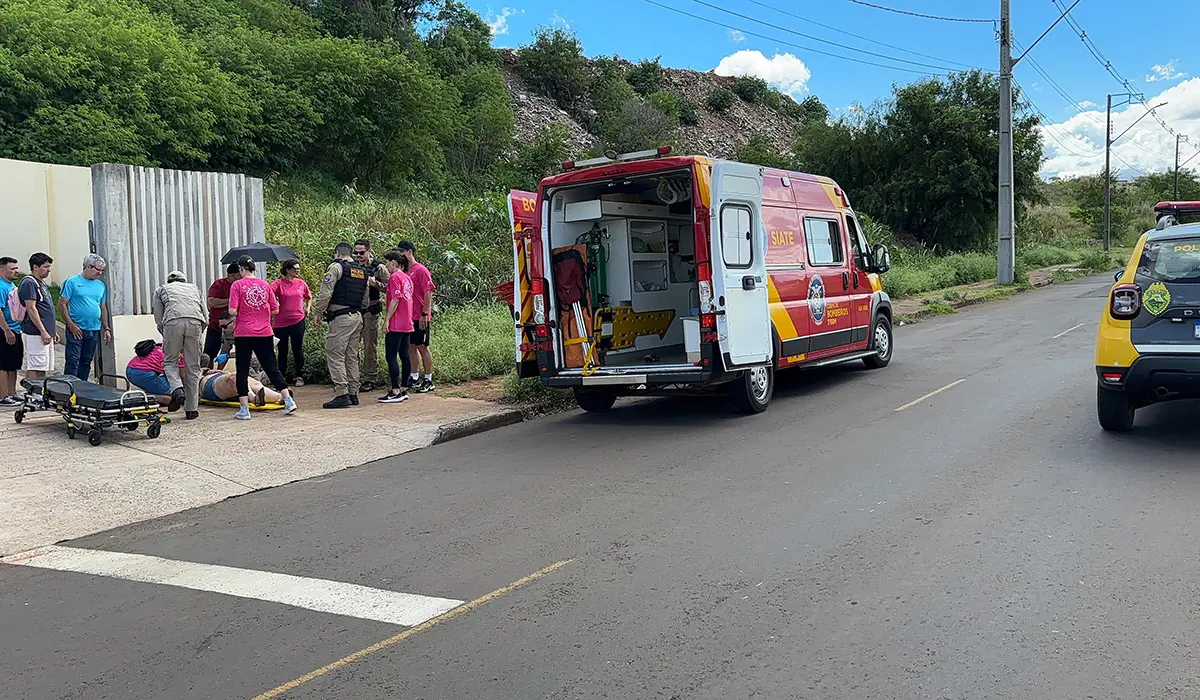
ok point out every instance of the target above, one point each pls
(883, 259)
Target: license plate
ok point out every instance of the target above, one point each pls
(1197, 331)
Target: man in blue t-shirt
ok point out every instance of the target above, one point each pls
(84, 306)
(12, 351)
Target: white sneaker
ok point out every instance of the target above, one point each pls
(242, 414)
(289, 406)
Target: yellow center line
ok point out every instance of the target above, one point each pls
(411, 631)
(931, 394)
(1072, 328)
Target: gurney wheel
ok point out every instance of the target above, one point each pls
(70, 432)
(153, 430)
(95, 438)
(19, 416)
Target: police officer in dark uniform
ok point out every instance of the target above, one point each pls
(377, 279)
(341, 301)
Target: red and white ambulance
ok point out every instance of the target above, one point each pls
(650, 273)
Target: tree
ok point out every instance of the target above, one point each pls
(637, 126)
(758, 150)
(646, 77)
(926, 162)
(554, 65)
(720, 100)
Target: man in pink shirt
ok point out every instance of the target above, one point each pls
(253, 305)
(422, 307)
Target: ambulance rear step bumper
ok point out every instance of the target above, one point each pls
(631, 377)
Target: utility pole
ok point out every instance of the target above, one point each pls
(1177, 137)
(1005, 256)
(1107, 178)
(1108, 142)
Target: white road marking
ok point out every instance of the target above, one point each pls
(1072, 328)
(316, 594)
(931, 394)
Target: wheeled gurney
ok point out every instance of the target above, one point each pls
(92, 407)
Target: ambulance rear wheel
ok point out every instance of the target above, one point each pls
(881, 343)
(594, 401)
(752, 392)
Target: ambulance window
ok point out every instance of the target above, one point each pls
(824, 242)
(736, 250)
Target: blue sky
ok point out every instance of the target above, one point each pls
(1132, 36)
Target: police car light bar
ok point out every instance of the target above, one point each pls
(1177, 208)
(604, 160)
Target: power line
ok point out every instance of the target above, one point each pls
(777, 27)
(747, 32)
(859, 36)
(924, 16)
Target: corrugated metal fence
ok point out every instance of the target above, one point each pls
(149, 221)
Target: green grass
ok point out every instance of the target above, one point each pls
(533, 397)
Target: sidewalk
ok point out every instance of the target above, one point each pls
(56, 489)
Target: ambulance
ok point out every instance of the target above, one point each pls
(651, 274)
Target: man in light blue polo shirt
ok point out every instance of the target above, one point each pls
(84, 306)
(12, 348)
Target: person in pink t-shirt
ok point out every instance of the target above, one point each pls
(399, 297)
(422, 309)
(253, 305)
(295, 304)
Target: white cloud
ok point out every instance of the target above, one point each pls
(736, 36)
(558, 20)
(1086, 104)
(498, 22)
(783, 70)
(1076, 146)
(1164, 72)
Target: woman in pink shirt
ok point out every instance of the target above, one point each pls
(295, 303)
(253, 305)
(399, 327)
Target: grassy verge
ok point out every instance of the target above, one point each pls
(918, 273)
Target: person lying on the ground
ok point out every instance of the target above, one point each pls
(217, 386)
(146, 372)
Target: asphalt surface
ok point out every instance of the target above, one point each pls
(987, 542)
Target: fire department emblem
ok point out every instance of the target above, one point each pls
(1156, 298)
(816, 299)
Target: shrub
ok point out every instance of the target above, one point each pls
(720, 100)
(544, 156)
(1099, 261)
(689, 113)
(554, 65)
(1045, 256)
(667, 102)
(759, 150)
(533, 396)
(636, 126)
(646, 77)
(754, 90)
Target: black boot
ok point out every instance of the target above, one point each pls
(191, 415)
(353, 399)
(176, 400)
(339, 401)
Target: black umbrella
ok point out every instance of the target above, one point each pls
(260, 252)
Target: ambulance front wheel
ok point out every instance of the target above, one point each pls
(752, 392)
(595, 401)
(881, 343)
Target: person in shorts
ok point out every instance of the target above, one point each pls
(12, 348)
(422, 306)
(39, 331)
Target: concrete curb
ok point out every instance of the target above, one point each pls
(474, 426)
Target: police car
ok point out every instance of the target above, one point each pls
(1148, 342)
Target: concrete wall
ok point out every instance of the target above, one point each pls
(149, 221)
(48, 209)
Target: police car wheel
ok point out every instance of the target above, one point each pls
(594, 401)
(1115, 410)
(881, 343)
(752, 392)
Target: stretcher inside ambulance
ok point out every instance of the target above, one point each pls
(653, 274)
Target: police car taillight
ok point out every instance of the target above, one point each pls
(1125, 301)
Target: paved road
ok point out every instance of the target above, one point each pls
(988, 541)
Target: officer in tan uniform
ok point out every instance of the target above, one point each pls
(377, 280)
(340, 302)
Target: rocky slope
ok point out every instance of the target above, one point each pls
(716, 134)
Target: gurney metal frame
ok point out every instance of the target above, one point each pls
(133, 409)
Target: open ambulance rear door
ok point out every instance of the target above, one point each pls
(739, 270)
(527, 264)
